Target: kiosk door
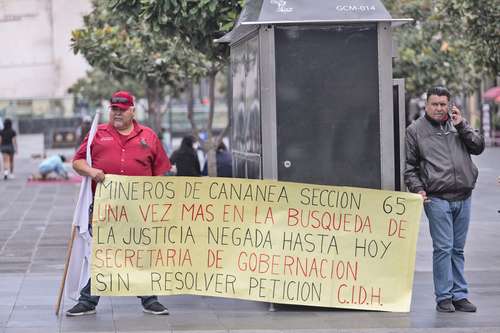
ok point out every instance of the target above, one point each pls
(327, 104)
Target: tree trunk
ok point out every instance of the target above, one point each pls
(212, 146)
(154, 105)
(190, 107)
(229, 99)
(211, 96)
(212, 162)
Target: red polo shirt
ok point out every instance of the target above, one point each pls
(138, 154)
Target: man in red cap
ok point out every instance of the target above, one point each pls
(120, 147)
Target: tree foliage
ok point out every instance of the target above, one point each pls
(198, 23)
(98, 86)
(430, 54)
(125, 46)
(478, 23)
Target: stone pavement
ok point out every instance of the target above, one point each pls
(35, 223)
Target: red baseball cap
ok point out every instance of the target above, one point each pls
(122, 100)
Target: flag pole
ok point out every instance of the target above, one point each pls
(66, 264)
(76, 218)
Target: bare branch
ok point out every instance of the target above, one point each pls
(211, 86)
(190, 108)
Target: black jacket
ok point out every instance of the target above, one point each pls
(186, 161)
(438, 158)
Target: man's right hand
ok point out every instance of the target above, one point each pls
(424, 195)
(97, 175)
(83, 169)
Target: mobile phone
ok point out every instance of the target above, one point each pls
(450, 108)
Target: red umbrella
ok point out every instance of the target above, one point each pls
(492, 94)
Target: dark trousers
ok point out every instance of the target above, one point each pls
(92, 300)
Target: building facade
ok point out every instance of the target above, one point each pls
(37, 65)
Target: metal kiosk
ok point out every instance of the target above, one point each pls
(313, 93)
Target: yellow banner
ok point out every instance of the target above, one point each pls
(259, 240)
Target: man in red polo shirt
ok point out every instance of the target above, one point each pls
(121, 147)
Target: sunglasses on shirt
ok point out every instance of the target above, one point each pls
(120, 100)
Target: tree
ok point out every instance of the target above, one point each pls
(429, 54)
(478, 22)
(452, 42)
(98, 86)
(197, 23)
(125, 46)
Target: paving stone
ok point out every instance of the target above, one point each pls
(101, 322)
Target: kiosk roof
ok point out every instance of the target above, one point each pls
(259, 12)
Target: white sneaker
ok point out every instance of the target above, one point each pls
(5, 175)
(11, 176)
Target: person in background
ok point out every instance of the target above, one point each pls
(120, 147)
(224, 162)
(439, 168)
(185, 158)
(53, 164)
(83, 130)
(200, 153)
(166, 140)
(8, 147)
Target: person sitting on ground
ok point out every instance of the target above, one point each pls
(53, 164)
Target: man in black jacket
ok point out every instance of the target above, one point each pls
(439, 167)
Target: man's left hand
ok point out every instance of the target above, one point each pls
(456, 115)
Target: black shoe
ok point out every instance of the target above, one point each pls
(80, 309)
(464, 305)
(445, 305)
(155, 308)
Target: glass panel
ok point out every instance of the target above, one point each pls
(327, 104)
(252, 98)
(246, 129)
(254, 168)
(239, 169)
(238, 76)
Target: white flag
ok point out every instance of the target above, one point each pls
(79, 264)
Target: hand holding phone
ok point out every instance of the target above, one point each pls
(455, 114)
